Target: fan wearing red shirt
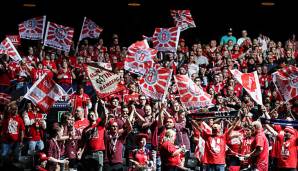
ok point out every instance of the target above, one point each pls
(260, 148)
(81, 122)
(12, 134)
(287, 149)
(133, 96)
(65, 76)
(81, 99)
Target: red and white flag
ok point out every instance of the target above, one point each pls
(250, 82)
(33, 28)
(89, 29)
(166, 39)
(155, 82)
(183, 19)
(9, 49)
(191, 96)
(286, 81)
(139, 57)
(103, 81)
(58, 36)
(45, 92)
(15, 39)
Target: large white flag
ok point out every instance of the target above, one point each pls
(33, 28)
(9, 49)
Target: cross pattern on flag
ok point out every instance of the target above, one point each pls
(103, 81)
(58, 36)
(9, 49)
(45, 92)
(33, 28)
(191, 96)
(250, 82)
(139, 57)
(166, 39)
(155, 82)
(286, 81)
(183, 19)
(90, 29)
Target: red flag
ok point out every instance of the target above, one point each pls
(139, 55)
(166, 39)
(191, 96)
(58, 36)
(33, 28)
(90, 29)
(8, 48)
(250, 82)
(155, 82)
(103, 81)
(15, 39)
(45, 92)
(286, 81)
(183, 19)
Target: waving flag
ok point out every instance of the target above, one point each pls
(58, 36)
(90, 29)
(8, 48)
(286, 81)
(155, 82)
(183, 19)
(103, 81)
(166, 39)
(45, 92)
(139, 57)
(33, 28)
(250, 82)
(191, 96)
(15, 39)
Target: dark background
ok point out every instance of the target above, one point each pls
(212, 17)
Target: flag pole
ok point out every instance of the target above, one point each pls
(77, 48)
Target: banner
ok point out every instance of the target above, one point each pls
(139, 57)
(89, 29)
(216, 114)
(250, 82)
(8, 48)
(183, 19)
(166, 39)
(103, 81)
(191, 96)
(33, 28)
(15, 39)
(279, 122)
(155, 82)
(286, 82)
(58, 36)
(45, 92)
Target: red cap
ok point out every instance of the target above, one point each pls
(42, 156)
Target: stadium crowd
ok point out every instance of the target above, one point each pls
(130, 131)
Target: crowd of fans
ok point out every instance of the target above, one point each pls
(129, 131)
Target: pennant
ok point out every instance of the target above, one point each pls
(166, 39)
(139, 57)
(58, 36)
(45, 92)
(15, 39)
(183, 19)
(33, 28)
(286, 82)
(191, 96)
(9, 49)
(90, 29)
(250, 82)
(104, 82)
(155, 82)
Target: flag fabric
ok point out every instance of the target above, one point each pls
(103, 81)
(33, 28)
(286, 81)
(155, 82)
(183, 19)
(9, 49)
(90, 29)
(58, 36)
(166, 39)
(191, 96)
(45, 92)
(139, 57)
(107, 66)
(15, 39)
(250, 82)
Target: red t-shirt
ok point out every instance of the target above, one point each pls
(67, 78)
(93, 137)
(287, 152)
(11, 128)
(35, 130)
(131, 97)
(140, 155)
(261, 161)
(235, 143)
(81, 124)
(167, 149)
(215, 148)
